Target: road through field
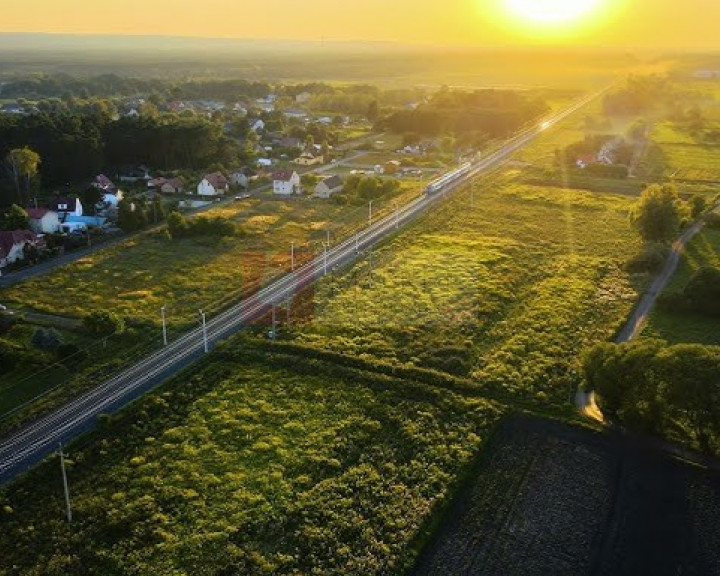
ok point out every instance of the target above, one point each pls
(585, 401)
(32, 443)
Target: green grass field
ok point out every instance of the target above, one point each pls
(240, 468)
(136, 278)
(704, 250)
(509, 292)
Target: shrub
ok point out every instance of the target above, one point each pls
(103, 323)
(46, 339)
(712, 221)
(651, 259)
(70, 355)
(703, 291)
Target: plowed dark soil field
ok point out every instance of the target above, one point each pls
(552, 500)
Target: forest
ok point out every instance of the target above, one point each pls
(482, 113)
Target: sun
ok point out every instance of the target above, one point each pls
(551, 12)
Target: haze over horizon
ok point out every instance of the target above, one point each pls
(637, 24)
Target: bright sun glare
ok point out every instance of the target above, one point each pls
(551, 11)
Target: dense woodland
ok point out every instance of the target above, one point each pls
(475, 116)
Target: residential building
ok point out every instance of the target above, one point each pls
(214, 184)
(286, 183)
(172, 186)
(44, 221)
(329, 186)
(14, 245)
(66, 206)
(309, 158)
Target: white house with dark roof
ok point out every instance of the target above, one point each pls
(214, 184)
(286, 183)
(65, 206)
(44, 221)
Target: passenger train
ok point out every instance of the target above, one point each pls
(448, 178)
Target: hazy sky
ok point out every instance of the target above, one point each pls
(625, 23)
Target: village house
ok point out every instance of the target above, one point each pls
(66, 206)
(44, 221)
(14, 245)
(214, 184)
(240, 178)
(329, 186)
(286, 183)
(257, 125)
(172, 186)
(302, 97)
(309, 158)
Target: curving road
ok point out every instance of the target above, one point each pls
(29, 445)
(585, 401)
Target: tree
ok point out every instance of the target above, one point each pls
(622, 377)
(691, 373)
(177, 225)
(16, 218)
(658, 213)
(698, 204)
(49, 339)
(131, 216)
(368, 188)
(90, 197)
(103, 323)
(22, 163)
(373, 111)
(309, 142)
(326, 150)
(703, 291)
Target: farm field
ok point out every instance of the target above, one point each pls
(683, 156)
(508, 292)
(703, 250)
(551, 499)
(237, 467)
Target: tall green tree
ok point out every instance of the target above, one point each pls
(22, 164)
(659, 213)
(16, 218)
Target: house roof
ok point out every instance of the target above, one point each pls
(283, 175)
(37, 213)
(217, 180)
(333, 182)
(8, 239)
(55, 204)
(105, 183)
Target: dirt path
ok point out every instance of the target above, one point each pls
(585, 401)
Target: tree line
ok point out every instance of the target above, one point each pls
(72, 146)
(492, 113)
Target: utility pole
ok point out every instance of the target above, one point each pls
(164, 326)
(397, 217)
(328, 236)
(325, 246)
(204, 331)
(370, 213)
(292, 256)
(357, 242)
(370, 261)
(472, 195)
(68, 508)
(274, 322)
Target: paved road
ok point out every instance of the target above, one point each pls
(29, 445)
(586, 401)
